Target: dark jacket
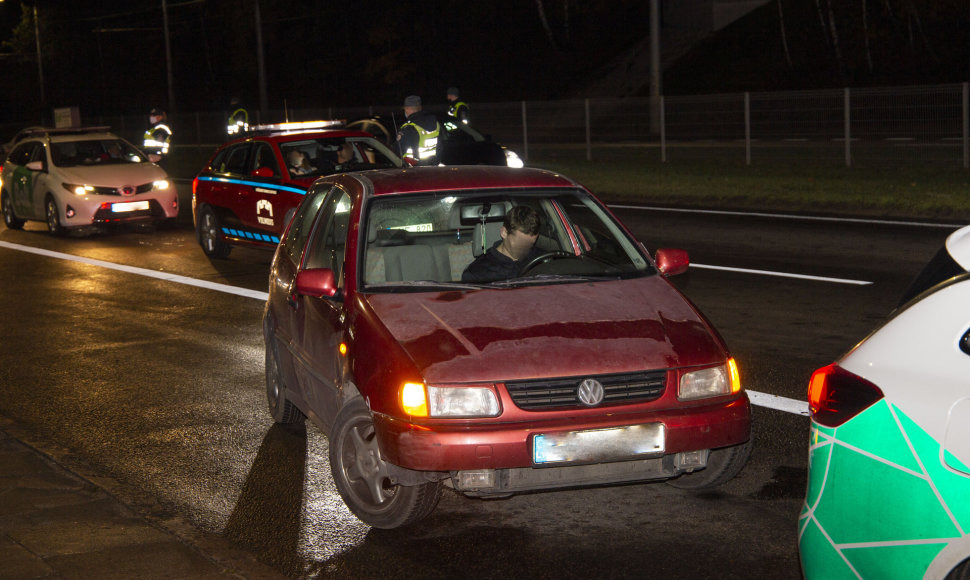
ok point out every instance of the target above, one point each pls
(493, 265)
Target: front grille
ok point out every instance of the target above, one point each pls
(560, 393)
(143, 188)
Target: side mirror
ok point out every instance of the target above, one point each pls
(672, 261)
(35, 166)
(263, 172)
(317, 283)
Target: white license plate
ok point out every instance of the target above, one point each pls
(594, 445)
(129, 206)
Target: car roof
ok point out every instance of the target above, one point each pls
(456, 178)
(958, 246)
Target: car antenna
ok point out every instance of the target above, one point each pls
(396, 135)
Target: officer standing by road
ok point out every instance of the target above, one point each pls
(158, 137)
(238, 119)
(456, 107)
(418, 136)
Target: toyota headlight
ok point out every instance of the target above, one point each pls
(78, 189)
(512, 159)
(710, 382)
(160, 184)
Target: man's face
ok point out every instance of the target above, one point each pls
(517, 244)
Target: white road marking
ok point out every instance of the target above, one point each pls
(789, 216)
(142, 272)
(761, 399)
(783, 274)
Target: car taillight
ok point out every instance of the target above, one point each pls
(835, 395)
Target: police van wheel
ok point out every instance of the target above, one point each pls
(53, 217)
(210, 234)
(9, 217)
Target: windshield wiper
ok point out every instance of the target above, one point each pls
(554, 278)
(426, 284)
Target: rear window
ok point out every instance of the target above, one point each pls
(942, 267)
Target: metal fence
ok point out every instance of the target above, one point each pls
(851, 127)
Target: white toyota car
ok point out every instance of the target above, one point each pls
(889, 450)
(78, 178)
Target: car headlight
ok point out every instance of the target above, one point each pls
(160, 184)
(513, 160)
(710, 382)
(78, 189)
(421, 401)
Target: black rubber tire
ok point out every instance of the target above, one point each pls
(9, 216)
(53, 217)
(360, 474)
(281, 408)
(722, 465)
(960, 572)
(210, 234)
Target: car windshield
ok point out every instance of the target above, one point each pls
(423, 242)
(327, 155)
(95, 152)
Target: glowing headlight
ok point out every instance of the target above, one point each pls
(160, 184)
(711, 382)
(462, 402)
(513, 160)
(413, 399)
(78, 189)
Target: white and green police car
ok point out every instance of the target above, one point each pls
(889, 453)
(79, 178)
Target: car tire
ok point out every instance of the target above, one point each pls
(960, 572)
(362, 478)
(210, 234)
(53, 217)
(722, 465)
(9, 216)
(281, 408)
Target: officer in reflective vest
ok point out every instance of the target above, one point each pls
(238, 119)
(158, 137)
(456, 107)
(418, 137)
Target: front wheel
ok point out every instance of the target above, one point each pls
(9, 216)
(210, 234)
(53, 217)
(362, 477)
(722, 465)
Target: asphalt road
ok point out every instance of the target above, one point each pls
(159, 385)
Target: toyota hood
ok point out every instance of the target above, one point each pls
(548, 331)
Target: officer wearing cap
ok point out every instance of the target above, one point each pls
(456, 107)
(158, 137)
(418, 136)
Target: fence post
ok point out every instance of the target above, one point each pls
(525, 135)
(966, 125)
(747, 128)
(589, 147)
(848, 131)
(663, 130)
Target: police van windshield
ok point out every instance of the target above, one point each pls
(328, 155)
(95, 152)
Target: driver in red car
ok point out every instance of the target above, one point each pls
(520, 230)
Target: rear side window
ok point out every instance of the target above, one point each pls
(941, 267)
(22, 153)
(236, 159)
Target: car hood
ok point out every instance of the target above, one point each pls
(112, 175)
(548, 331)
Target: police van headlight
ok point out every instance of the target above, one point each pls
(513, 160)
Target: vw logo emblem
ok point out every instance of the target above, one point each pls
(127, 190)
(590, 392)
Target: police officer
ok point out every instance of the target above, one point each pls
(456, 107)
(238, 119)
(418, 136)
(158, 137)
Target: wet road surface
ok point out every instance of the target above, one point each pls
(160, 385)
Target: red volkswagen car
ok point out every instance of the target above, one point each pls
(580, 365)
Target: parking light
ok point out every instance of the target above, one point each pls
(413, 400)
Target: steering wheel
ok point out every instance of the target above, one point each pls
(543, 258)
